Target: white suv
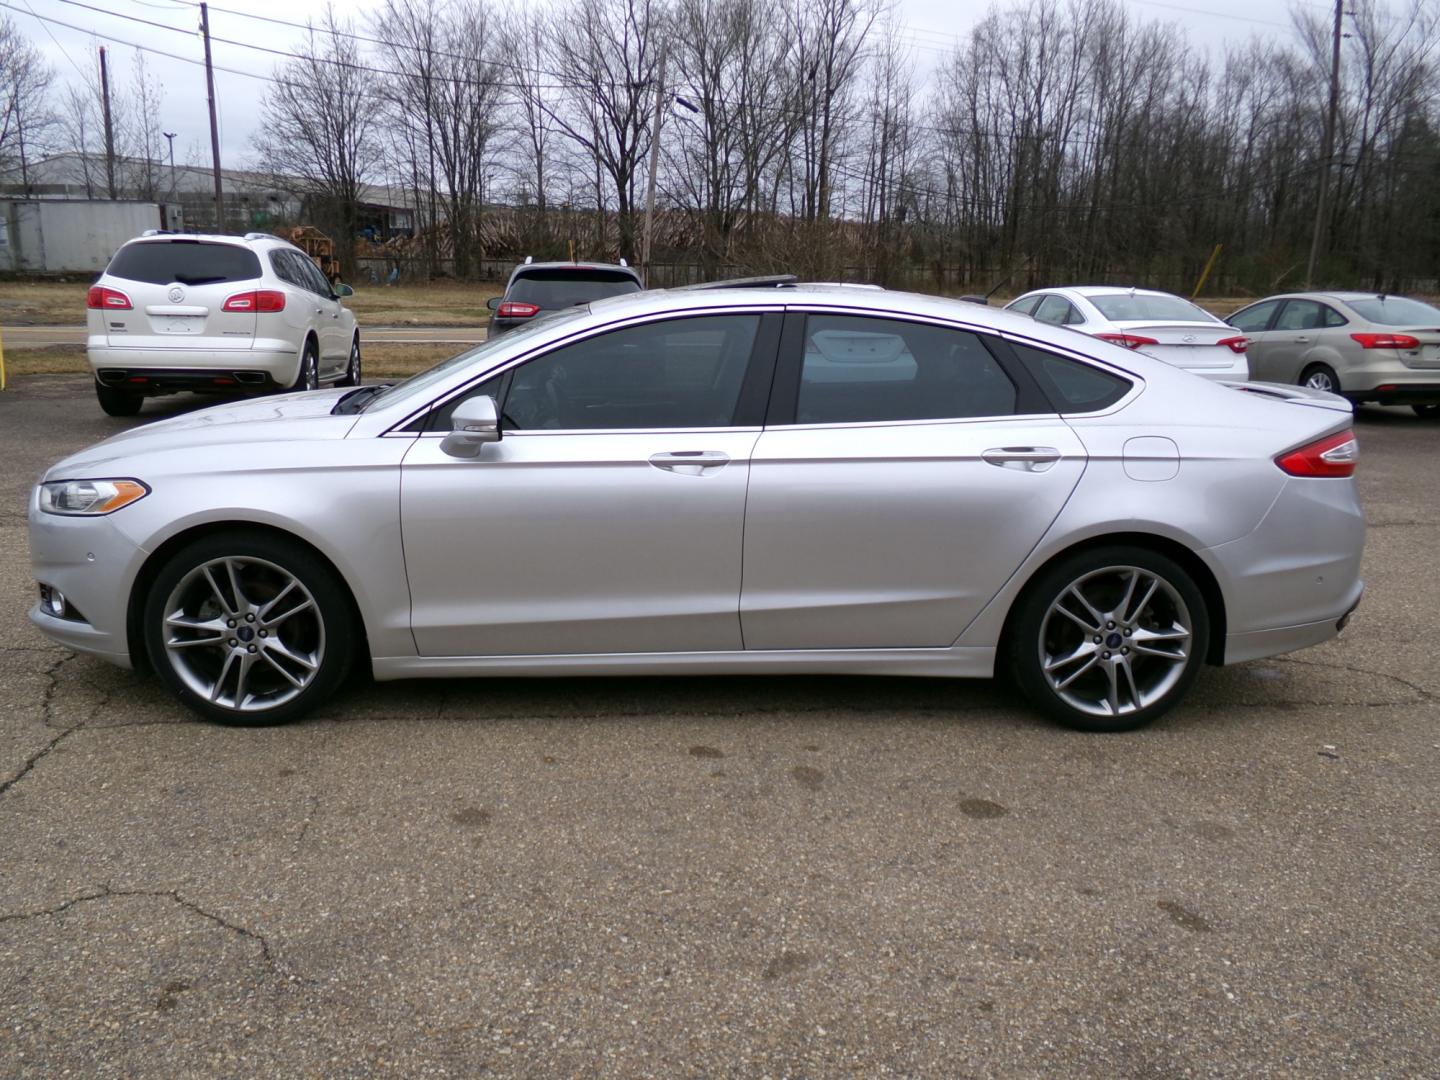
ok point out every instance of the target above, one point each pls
(215, 313)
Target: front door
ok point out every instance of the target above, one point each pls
(609, 517)
(903, 496)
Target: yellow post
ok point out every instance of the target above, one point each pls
(1210, 265)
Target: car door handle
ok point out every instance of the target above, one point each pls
(691, 462)
(1302, 338)
(1025, 458)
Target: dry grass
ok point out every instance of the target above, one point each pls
(381, 361)
(43, 303)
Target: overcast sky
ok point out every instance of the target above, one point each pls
(930, 27)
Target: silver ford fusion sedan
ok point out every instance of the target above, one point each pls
(807, 479)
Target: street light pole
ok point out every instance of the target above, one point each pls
(170, 138)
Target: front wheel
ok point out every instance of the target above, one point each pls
(1320, 377)
(115, 402)
(249, 629)
(1109, 639)
(308, 377)
(352, 370)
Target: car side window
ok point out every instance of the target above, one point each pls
(679, 373)
(1333, 318)
(1256, 318)
(1056, 311)
(859, 370)
(280, 263)
(313, 279)
(1073, 387)
(1300, 315)
(1026, 305)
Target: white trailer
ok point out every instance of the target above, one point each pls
(49, 236)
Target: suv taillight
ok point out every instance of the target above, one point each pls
(105, 298)
(1334, 455)
(260, 300)
(1127, 341)
(1237, 345)
(513, 309)
(1387, 341)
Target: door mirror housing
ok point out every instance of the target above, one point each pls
(494, 303)
(342, 290)
(475, 423)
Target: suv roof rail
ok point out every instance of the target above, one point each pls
(766, 281)
(623, 262)
(529, 259)
(260, 236)
(156, 232)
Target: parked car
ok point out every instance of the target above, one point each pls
(914, 486)
(228, 314)
(1366, 346)
(1158, 324)
(536, 289)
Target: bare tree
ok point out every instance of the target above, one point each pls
(26, 117)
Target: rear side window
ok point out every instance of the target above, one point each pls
(1057, 311)
(190, 262)
(566, 288)
(1301, 315)
(1072, 386)
(860, 370)
(1025, 305)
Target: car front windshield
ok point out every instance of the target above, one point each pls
(1147, 307)
(1395, 311)
(418, 384)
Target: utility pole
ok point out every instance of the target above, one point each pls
(214, 128)
(654, 168)
(170, 138)
(109, 127)
(1327, 147)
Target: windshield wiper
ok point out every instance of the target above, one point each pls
(356, 400)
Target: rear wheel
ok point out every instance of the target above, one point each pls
(1320, 377)
(308, 377)
(118, 402)
(1427, 412)
(352, 370)
(1109, 639)
(249, 629)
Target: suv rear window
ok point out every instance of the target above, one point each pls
(190, 262)
(566, 288)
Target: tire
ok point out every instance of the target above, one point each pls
(352, 370)
(118, 402)
(308, 377)
(1320, 377)
(1427, 412)
(286, 657)
(1072, 661)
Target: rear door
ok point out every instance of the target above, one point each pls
(904, 474)
(324, 312)
(178, 288)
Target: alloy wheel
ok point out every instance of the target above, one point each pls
(1116, 640)
(243, 633)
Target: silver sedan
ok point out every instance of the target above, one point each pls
(1366, 346)
(807, 479)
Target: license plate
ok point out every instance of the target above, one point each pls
(180, 324)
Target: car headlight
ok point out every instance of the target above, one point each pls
(89, 497)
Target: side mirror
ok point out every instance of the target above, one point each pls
(494, 303)
(342, 290)
(475, 423)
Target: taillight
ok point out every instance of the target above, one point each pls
(1127, 341)
(1387, 341)
(260, 300)
(106, 298)
(1237, 345)
(514, 310)
(1334, 455)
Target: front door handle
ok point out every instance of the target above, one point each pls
(1025, 458)
(691, 462)
(1302, 339)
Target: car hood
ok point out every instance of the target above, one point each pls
(302, 417)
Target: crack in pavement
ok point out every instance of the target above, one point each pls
(1416, 688)
(173, 895)
(46, 706)
(313, 803)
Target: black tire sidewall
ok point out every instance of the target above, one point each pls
(1022, 654)
(117, 402)
(1313, 369)
(330, 597)
(352, 374)
(309, 361)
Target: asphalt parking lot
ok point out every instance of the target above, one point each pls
(740, 876)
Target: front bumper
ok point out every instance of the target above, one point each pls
(94, 565)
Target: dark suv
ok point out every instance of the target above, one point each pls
(536, 288)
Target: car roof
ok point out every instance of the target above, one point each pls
(1111, 290)
(247, 241)
(525, 268)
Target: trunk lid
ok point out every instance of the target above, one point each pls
(177, 289)
(1185, 344)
